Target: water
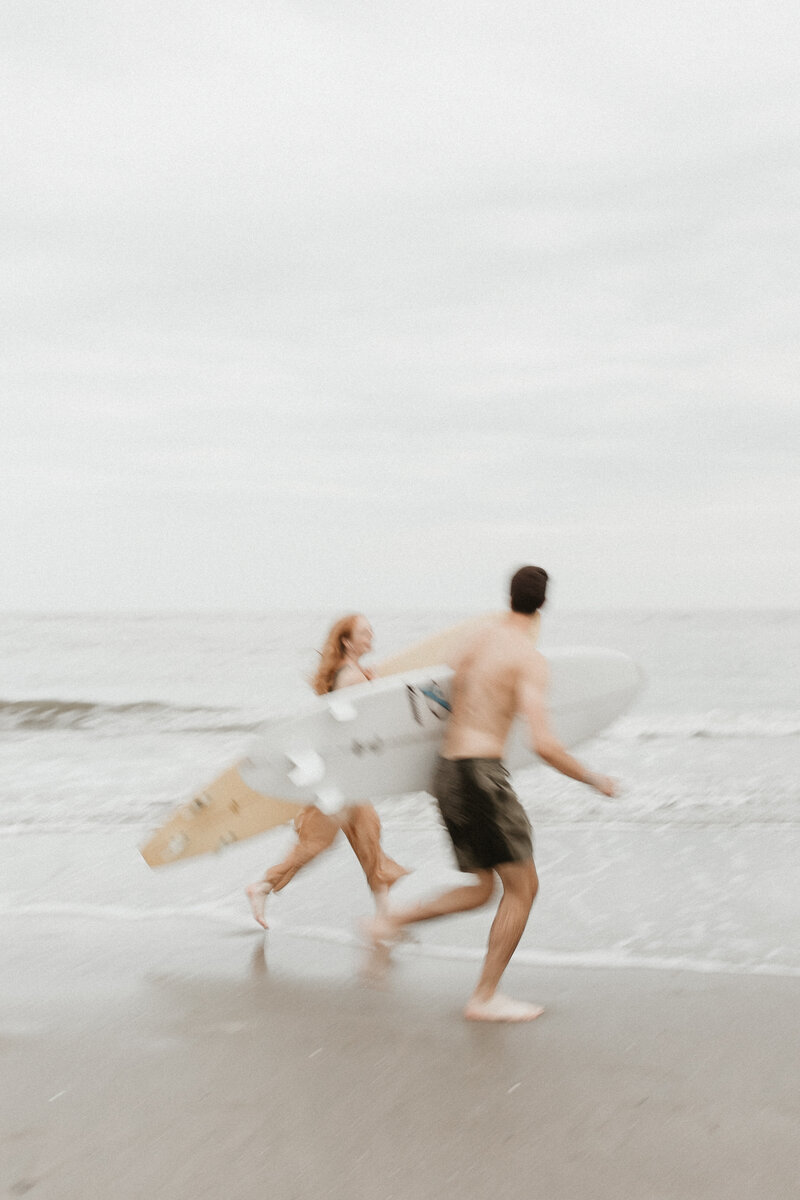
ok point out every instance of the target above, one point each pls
(114, 720)
(108, 722)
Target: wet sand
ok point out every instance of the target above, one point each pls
(180, 1058)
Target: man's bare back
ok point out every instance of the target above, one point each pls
(485, 695)
(498, 674)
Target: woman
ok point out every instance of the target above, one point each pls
(340, 666)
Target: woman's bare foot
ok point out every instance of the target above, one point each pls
(257, 895)
(501, 1008)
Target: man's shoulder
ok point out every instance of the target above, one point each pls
(521, 640)
(507, 646)
(533, 663)
(496, 643)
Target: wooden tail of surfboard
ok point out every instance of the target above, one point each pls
(227, 811)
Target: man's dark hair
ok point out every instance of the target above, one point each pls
(528, 588)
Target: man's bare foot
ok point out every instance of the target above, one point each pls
(501, 1008)
(257, 895)
(381, 931)
(375, 966)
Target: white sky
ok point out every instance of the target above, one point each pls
(337, 303)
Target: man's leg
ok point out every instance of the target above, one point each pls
(387, 926)
(520, 885)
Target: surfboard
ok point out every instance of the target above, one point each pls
(381, 739)
(231, 810)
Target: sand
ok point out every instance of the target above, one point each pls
(178, 1058)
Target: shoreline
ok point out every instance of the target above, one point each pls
(618, 897)
(238, 922)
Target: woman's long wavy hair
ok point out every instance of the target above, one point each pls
(333, 654)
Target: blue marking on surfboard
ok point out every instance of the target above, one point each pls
(433, 693)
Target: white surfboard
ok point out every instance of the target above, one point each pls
(228, 810)
(381, 739)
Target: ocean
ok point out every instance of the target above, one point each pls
(108, 722)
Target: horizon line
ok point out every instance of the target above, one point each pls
(605, 610)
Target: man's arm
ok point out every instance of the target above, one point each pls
(533, 706)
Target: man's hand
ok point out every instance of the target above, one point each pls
(602, 784)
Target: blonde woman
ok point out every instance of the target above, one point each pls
(340, 666)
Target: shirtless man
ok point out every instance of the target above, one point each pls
(498, 673)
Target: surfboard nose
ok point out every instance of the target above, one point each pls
(590, 688)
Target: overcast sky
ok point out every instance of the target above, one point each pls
(349, 303)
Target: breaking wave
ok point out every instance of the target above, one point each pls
(95, 716)
(714, 724)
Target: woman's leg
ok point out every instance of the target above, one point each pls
(315, 832)
(362, 828)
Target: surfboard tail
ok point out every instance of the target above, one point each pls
(227, 811)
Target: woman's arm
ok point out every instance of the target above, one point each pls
(351, 674)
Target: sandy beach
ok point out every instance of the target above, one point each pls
(181, 1059)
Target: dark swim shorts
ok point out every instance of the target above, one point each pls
(485, 820)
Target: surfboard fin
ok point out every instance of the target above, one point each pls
(329, 800)
(341, 709)
(177, 844)
(308, 768)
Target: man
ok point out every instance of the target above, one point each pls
(498, 674)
